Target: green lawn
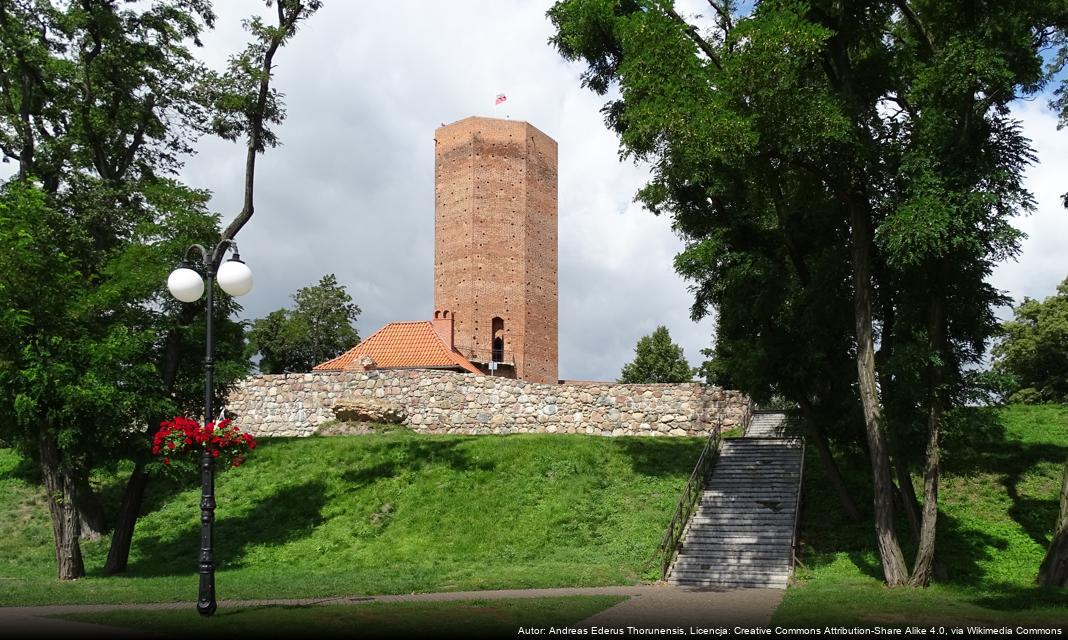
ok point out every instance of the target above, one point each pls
(477, 618)
(997, 510)
(389, 513)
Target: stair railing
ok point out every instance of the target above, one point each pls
(796, 541)
(669, 545)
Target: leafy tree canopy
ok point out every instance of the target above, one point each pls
(100, 104)
(657, 359)
(844, 175)
(1034, 349)
(318, 328)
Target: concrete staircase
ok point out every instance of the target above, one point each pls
(742, 532)
(767, 424)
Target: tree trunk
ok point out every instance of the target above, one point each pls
(133, 497)
(1054, 569)
(893, 561)
(910, 504)
(90, 511)
(61, 494)
(119, 552)
(921, 569)
(830, 467)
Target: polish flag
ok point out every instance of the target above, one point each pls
(500, 98)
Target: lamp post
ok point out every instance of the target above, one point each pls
(186, 285)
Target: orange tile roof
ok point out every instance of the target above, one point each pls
(401, 345)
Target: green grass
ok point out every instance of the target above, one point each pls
(376, 514)
(496, 618)
(998, 505)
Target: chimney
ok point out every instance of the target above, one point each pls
(443, 326)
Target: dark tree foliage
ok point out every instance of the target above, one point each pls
(318, 328)
(100, 103)
(844, 175)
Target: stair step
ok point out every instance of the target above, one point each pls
(702, 534)
(730, 516)
(716, 540)
(704, 563)
(738, 487)
(739, 503)
(706, 556)
(732, 498)
(733, 584)
(761, 444)
(741, 572)
(711, 511)
(775, 469)
(705, 522)
(705, 543)
(708, 526)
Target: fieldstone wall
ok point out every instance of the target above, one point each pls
(446, 402)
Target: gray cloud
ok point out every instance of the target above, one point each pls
(351, 190)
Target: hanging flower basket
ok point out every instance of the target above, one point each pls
(184, 439)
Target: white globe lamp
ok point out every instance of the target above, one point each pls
(185, 284)
(235, 277)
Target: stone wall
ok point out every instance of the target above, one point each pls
(446, 402)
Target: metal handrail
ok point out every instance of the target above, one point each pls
(665, 553)
(485, 355)
(797, 509)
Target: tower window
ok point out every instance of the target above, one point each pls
(497, 326)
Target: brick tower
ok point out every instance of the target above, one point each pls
(495, 244)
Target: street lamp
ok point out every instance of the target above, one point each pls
(186, 285)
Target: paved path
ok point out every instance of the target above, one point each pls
(656, 605)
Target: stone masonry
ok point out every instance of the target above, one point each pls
(440, 402)
(495, 243)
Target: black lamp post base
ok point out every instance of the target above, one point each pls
(206, 608)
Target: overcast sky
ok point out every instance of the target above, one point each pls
(351, 191)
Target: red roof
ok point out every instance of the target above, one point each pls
(401, 345)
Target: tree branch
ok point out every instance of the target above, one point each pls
(916, 23)
(285, 24)
(138, 138)
(692, 32)
(724, 14)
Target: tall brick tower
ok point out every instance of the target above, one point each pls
(495, 244)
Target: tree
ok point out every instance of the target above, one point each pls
(828, 161)
(1054, 569)
(657, 359)
(99, 105)
(319, 328)
(1033, 351)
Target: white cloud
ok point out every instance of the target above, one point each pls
(351, 190)
(1043, 261)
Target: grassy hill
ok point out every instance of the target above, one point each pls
(389, 513)
(998, 505)
(397, 513)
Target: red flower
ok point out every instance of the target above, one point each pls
(166, 461)
(184, 437)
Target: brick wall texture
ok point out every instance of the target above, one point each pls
(495, 240)
(439, 402)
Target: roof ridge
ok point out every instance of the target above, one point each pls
(415, 339)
